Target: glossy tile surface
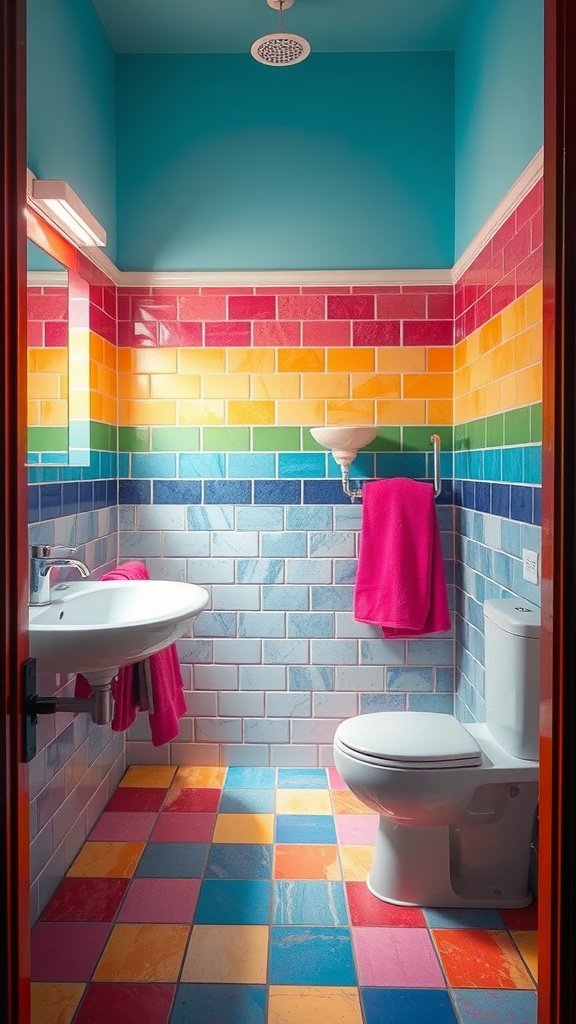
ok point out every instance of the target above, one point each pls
(221, 895)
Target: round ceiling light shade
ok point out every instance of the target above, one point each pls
(280, 49)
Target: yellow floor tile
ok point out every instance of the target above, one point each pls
(244, 828)
(346, 803)
(199, 778)
(303, 801)
(148, 776)
(356, 862)
(107, 860)
(143, 952)
(54, 1002)
(290, 1004)
(225, 954)
(527, 943)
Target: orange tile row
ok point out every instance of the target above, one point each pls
(499, 366)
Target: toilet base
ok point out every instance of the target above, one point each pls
(402, 875)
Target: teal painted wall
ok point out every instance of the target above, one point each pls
(71, 104)
(346, 160)
(499, 106)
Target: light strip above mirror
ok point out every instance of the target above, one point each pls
(57, 200)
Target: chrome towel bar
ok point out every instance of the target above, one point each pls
(356, 493)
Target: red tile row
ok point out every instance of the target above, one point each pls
(508, 265)
(389, 304)
(286, 333)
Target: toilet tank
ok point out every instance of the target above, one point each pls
(512, 674)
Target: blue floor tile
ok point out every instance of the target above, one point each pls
(237, 902)
(239, 860)
(250, 778)
(172, 860)
(302, 778)
(247, 801)
(309, 903)
(305, 828)
(311, 956)
(452, 917)
(220, 1004)
(407, 1006)
(479, 1006)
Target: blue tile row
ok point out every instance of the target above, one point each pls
(514, 465)
(102, 466)
(288, 465)
(52, 500)
(241, 492)
(510, 501)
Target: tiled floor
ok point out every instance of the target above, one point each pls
(269, 866)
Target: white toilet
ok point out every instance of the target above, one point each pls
(456, 802)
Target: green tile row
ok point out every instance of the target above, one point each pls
(518, 426)
(267, 439)
(47, 439)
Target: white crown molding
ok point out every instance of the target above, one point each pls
(520, 188)
(280, 278)
(47, 278)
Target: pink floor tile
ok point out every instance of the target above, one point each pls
(66, 952)
(356, 829)
(335, 779)
(366, 909)
(183, 828)
(120, 1003)
(131, 826)
(396, 958)
(160, 901)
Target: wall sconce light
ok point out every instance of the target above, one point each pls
(58, 201)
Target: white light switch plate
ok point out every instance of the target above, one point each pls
(530, 566)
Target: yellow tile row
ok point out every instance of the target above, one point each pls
(285, 412)
(499, 366)
(275, 386)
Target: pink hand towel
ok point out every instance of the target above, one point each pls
(400, 583)
(164, 675)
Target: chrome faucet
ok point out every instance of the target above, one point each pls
(44, 557)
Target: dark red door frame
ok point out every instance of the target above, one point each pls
(557, 881)
(557, 927)
(14, 839)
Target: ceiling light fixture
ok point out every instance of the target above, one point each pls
(281, 48)
(58, 201)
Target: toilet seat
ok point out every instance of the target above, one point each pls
(409, 739)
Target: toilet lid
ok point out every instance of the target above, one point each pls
(410, 739)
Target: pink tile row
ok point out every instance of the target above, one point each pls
(508, 265)
(283, 333)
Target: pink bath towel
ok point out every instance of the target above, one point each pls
(400, 583)
(159, 676)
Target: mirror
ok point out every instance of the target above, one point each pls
(47, 331)
(58, 357)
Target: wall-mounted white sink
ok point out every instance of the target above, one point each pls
(97, 627)
(344, 440)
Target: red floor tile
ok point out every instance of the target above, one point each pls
(86, 899)
(474, 958)
(66, 952)
(121, 1003)
(127, 798)
(366, 909)
(190, 800)
(525, 919)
